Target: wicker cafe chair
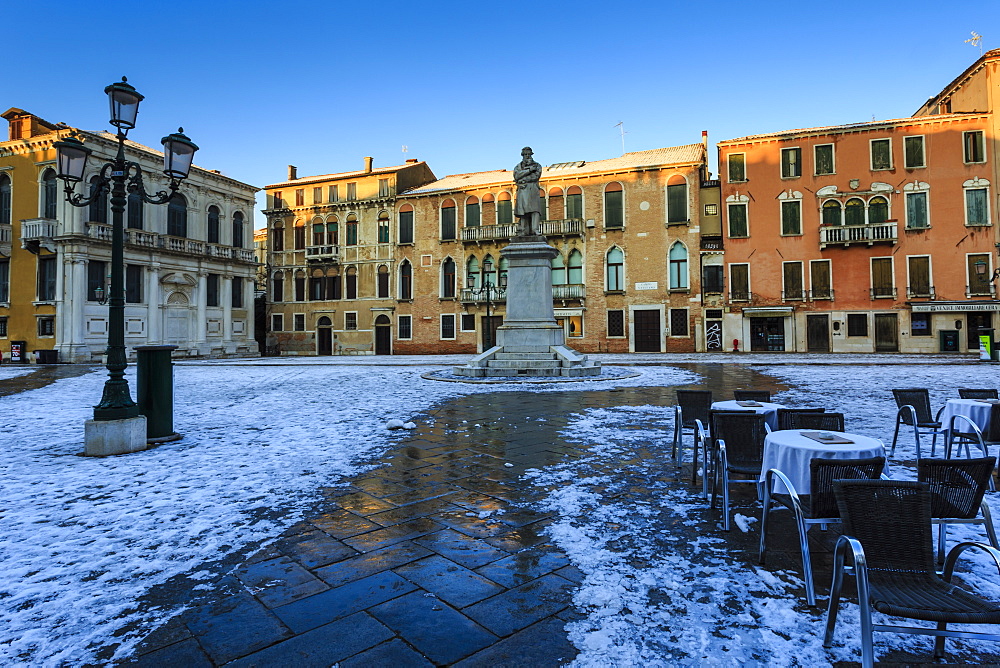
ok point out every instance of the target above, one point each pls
(962, 431)
(887, 530)
(817, 507)
(957, 490)
(821, 421)
(966, 393)
(784, 415)
(915, 411)
(737, 448)
(692, 406)
(751, 395)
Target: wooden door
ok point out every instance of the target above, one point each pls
(383, 340)
(490, 326)
(646, 329)
(818, 333)
(324, 336)
(886, 333)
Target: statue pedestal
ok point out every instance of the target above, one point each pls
(530, 342)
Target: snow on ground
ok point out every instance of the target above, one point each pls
(7, 371)
(83, 539)
(652, 598)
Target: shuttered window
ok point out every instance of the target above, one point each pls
(614, 213)
(831, 212)
(677, 203)
(916, 210)
(854, 212)
(881, 150)
(878, 210)
(737, 167)
(791, 163)
(976, 210)
(738, 220)
(913, 152)
(819, 279)
(979, 284)
(792, 280)
(791, 217)
(824, 159)
(919, 271)
(882, 283)
(574, 202)
(448, 221)
(406, 224)
(739, 282)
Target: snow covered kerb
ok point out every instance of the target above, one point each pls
(606, 374)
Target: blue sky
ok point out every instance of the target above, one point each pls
(260, 85)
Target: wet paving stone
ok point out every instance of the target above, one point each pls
(245, 627)
(392, 653)
(187, 653)
(524, 566)
(438, 631)
(449, 581)
(362, 503)
(279, 581)
(541, 644)
(317, 548)
(522, 606)
(343, 524)
(342, 601)
(411, 511)
(373, 540)
(371, 562)
(465, 550)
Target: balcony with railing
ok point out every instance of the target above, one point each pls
(740, 296)
(323, 253)
(38, 233)
(981, 290)
(858, 234)
(6, 234)
(549, 228)
(569, 291)
(793, 295)
(478, 295)
(920, 292)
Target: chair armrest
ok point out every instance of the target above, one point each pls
(769, 477)
(965, 418)
(937, 416)
(907, 410)
(700, 430)
(720, 451)
(845, 543)
(949, 562)
(767, 428)
(679, 416)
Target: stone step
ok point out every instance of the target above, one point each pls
(524, 356)
(496, 373)
(524, 364)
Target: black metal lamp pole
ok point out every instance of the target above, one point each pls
(489, 292)
(121, 177)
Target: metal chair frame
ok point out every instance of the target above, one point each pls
(849, 544)
(720, 459)
(907, 415)
(681, 423)
(785, 415)
(815, 420)
(983, 509)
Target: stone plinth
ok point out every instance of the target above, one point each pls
(114, 437)
(530, 342)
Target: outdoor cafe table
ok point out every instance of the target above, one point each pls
(974, 409)
(789, 451)
(769, 410)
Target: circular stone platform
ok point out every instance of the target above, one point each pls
(607, 373)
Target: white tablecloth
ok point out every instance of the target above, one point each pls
(789, 451)
(769, 410)
(975, 410)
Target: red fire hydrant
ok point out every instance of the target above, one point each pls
(736, 345)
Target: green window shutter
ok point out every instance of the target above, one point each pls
(819, 279)
(975, 206)
(613, 213)
(738, 220)
(920, 275)
(737, 167)
(824, 159)
(916, 210)
(792, 280)
(791, 217)
(574, 206)
(739, 281)
(677, 203)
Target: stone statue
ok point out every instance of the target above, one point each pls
(528, 208)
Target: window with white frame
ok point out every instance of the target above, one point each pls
(614, 206)
(823, 159)
(979, 282)
(405, 329)
(736, 213)
(299, 322)
(791, 212)
(791, 163)
(916, 194)
(615, 274)
(833, 213)
(678, 260)
(791, 274)
(883, 283)
(737, 164)
(739, 282)
(351, 320)
(977, 201)
(974, 146)
(820, 280)
(277, 322)
(918, 276)
(447, 326)
(468, 322)
(913, 152)
(881, 154)
(677, 199)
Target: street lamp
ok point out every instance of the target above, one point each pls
(489, 293)
(981, 268)
(121, 177)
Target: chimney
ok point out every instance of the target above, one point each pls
(293, 172)
(368, 165)
(704, 139)
(412, 161)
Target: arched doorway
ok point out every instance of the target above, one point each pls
(383, 335)
(324, 336)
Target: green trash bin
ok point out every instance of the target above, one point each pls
(155, 392)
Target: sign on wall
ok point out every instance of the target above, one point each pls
(647, 285)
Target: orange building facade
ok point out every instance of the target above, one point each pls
(872, 237)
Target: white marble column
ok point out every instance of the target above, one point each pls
(227, 310)
(74, 327)
(154, 309)
(202, 321)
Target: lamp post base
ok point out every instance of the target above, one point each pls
(114, 437)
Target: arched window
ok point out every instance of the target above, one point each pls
(278, 287)
(831, 212)
(614, 206)
(383, 227)
(854, 212)
(677, 199)
(574, 202)
(317, 283)
(448, 230)
(5, 199)
(352, 283)
(213, 224)
(50, 194)
(352, 231)
(448, 279)
(332, 232)
(99, 207)
(135, 213)
(678, 266)
(319, 234)
(472, 212)
(323, 322)
(277, 236)
(558, 270)
(505, 212)
(615, 270)
(177, 216)
(543, 204)
(406, 280)
(238, 233)
(878, 210)
(556, 209)
(574, 268)
(382, 284)
(299, 235)
(489, 271)
(472, 273)
(406, 224)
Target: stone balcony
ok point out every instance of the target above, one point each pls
(846, 235)
(171, 244)
(38, 233)
(6, 234)
(323, 253)
(550, 228)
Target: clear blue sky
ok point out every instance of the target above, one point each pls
(319, 85)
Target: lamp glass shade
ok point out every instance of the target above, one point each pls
(503, 280)
(470, 281)
(487, 265)
(71, 159)
(124, 101)
(178, 154)
(980, 267)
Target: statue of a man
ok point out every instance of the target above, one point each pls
(528, 208)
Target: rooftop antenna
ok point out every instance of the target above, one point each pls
(405, 150)
(976, 40)
(621, 125)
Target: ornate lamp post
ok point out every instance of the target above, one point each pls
(489, 293)
(120, 177)
(981, 268)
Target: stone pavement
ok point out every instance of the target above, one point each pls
(407, 566)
